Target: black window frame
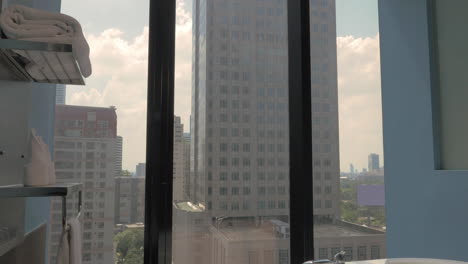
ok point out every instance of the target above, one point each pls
(160, 116)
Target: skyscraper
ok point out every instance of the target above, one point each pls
(60, 94)
(186, 162)
(240, 108)
(179, 157)
(129, 200)
(118, 156)
(240, 137)
(140, 170)
(373, 162)
(84, 151)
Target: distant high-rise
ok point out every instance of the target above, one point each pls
(140, 170)
(85, 151)
(186, 162)
(129, 200)
(118, 156)
(179, 157)
(373, 162)
(60, 94)
(351, 168)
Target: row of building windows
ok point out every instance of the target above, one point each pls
(71, 145)
(236, 132)
(318, 204)
(326, 253)
(236, 118)
(245, 147)
(246, 162)
(272, 190)
(88, 164)
(246, 205)
(270, 78)
(246, 176)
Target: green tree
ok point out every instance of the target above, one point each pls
(129, 246)
(125, 173)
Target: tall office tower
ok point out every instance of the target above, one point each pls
(140, 170)
(179, 157)
(129, 200)
(240, 108)
(351, 168)
(186, 142)
(240, 137)
(84, 151)
(373, 162)
(60, 94)
(118, 156)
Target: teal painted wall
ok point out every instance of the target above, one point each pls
(426, 208)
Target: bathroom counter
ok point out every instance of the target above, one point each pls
(408, 261)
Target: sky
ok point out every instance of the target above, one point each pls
(118, 35)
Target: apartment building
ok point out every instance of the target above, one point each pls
(129, 200)
(85, 151)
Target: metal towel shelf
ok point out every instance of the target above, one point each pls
(57, 62)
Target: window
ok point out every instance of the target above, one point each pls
(375, 252)
(362, 253)
(349, 253)
(223, 191)
(323, 253)
(283, 256)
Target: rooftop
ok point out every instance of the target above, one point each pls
(267, 231)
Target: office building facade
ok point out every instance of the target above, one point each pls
(129, 200)
(85, 151)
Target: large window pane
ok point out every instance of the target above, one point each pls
(233, 104)
(347, 130)
(100, 133)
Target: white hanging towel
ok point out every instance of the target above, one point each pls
(24, 23)
(63, 255)
(75, 241)
(70, 246)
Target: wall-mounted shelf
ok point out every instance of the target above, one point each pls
(18, 191)
(10, 244)
(38, 62)
(39, 191)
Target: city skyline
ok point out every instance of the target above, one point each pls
(113, 45)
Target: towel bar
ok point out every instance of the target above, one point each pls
(64, 209)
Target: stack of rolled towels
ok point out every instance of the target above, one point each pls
(24, 23)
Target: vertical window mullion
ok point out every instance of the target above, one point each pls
(301, 189)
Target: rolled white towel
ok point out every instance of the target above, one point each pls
(24, 23)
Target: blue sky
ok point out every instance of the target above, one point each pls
(358, 18)
(354, 17)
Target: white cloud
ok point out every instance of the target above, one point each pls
(359, 100)
(120, 79)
